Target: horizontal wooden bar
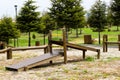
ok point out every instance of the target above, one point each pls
(112, 42)
(4, 50)
(29, 48)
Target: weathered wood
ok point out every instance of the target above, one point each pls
(9, 52)
(119, 41)
(106, 42)
(64, 46)
(112, 42)
(105, 39)
(49, 41)
(81, 47)
(87, 39)
(84, 55)
(32, 62)
(4, 50)
(29, 48)
(98, 56)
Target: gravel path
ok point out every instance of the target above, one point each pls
(106, 68)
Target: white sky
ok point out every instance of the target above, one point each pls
(7, 6)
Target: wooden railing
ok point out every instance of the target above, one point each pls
(9, 50)
(106, 42)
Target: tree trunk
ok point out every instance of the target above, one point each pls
(77, 32)
(117, 28)
(29, 39)
(44, 38)
(80, 31)
(14, 42)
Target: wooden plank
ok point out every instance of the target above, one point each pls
(32, 62)
(81, 47)
(113, 42)
(29, 48)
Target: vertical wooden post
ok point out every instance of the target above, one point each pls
(64, 46)
(84, 54)
(46, 49)
(105, 39)
(98, 55)
(119, 41)
(49, 41)
(9, 53)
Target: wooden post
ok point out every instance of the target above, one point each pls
(105, 39)
(64, 46)
(49, 41)
(84, 54)
(98, 55)
(9, 53)
(46, 50)
(119, 41)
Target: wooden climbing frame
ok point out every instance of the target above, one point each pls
(106, 42)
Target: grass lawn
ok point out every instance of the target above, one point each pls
(57, 34)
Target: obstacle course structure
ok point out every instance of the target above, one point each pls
(71, 45)
(35, 61)
(106, 42)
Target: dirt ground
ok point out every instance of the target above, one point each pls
(105, 68)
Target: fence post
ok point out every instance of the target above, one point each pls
(105, 39)
(119, 41)
(49, 41)
(9, 53)
(64, 46)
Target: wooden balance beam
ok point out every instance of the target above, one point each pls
(75, 46)
(106, 42)
(9, 52)
(45, 47)
(33, 62)
(79, 47)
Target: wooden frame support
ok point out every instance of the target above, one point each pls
(9, 53)
(105, 39)
(119, 41)
(106, 42)
(84, 54)
(64, 46)
(98, 55)
(49, 41)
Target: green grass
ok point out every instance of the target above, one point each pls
(57, 35)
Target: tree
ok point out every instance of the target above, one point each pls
(47, 23)
(68, 13)
(115, 5)
(109, 17)
(97, 17)
(28, 19)
(8, 30)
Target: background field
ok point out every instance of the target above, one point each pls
(57, 34)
